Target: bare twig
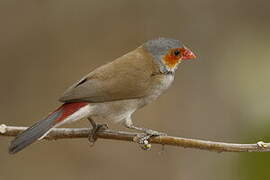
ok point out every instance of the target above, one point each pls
(61, 133)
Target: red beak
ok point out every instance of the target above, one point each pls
(187, 54)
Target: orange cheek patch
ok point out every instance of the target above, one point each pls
(170, 60)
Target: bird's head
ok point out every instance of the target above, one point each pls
(168, 53)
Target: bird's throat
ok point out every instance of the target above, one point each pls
(170, 62)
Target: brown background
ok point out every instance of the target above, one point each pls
(223, 95)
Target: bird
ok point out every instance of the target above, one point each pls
(114, 91)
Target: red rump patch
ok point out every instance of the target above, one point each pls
(68, 109)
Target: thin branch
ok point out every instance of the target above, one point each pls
(68, 133)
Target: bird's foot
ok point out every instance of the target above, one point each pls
(143, 139)
(92, 138)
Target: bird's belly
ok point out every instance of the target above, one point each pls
(116, 111)
(119, 111)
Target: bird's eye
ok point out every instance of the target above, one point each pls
(176, 52)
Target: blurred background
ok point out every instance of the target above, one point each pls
(223, 95)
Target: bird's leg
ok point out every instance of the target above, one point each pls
(142, 139)
(95, 128)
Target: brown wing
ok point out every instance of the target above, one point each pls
(127, 77)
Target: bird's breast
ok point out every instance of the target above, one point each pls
(159, 85)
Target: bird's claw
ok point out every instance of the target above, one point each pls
(92, 138)
(143, 139)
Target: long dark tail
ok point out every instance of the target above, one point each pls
(45, 125)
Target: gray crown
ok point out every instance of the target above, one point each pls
(159, 47)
